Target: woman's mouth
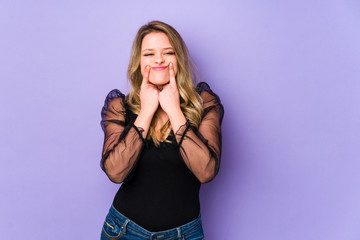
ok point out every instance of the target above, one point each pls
(159, 68)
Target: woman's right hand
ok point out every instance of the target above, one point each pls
(149, 94)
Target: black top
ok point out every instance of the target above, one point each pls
(160, 187)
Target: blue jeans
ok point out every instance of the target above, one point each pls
(117, 226)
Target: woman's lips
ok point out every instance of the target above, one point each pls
(159, 68)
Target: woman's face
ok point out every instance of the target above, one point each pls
(158, 53)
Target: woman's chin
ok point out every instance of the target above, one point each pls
(159, 82)
(159, 77)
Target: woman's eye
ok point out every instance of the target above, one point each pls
(148, 54)
(170, 53)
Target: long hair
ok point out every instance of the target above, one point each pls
(190, 100)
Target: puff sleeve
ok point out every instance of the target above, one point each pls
(123, 141)
(201, 148)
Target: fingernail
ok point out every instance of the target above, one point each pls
(171, 65)
(147, 67)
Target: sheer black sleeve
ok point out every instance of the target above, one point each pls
(201, 148)
(123, 141)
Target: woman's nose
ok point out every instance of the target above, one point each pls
(159, 59)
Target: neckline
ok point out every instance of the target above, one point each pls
(169, 136)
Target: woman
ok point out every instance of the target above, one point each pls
(162, 141)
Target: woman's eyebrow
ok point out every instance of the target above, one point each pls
(151, 49)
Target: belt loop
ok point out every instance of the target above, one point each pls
(179, 233)
(123, 228)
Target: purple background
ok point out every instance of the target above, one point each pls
(287, 73)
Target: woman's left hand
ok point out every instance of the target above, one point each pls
(169, 96)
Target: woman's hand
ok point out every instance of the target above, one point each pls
(169, 96)
(149, 94)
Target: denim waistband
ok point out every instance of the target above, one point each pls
(126, 223)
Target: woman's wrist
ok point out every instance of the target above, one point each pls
(177, 119)
(143, 121)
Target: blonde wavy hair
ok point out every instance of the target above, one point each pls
(190, 101)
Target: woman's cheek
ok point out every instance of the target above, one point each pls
(142, 68)
(143, 63)
(174, 62)
(175, 69)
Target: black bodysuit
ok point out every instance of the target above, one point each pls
(159, 189)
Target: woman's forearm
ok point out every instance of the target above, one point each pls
(195, 153)
(143, 121)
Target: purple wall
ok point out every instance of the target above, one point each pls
(288, 76)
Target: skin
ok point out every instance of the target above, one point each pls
(158, 92)
(156, 50)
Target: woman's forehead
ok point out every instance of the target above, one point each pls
(156, 40)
